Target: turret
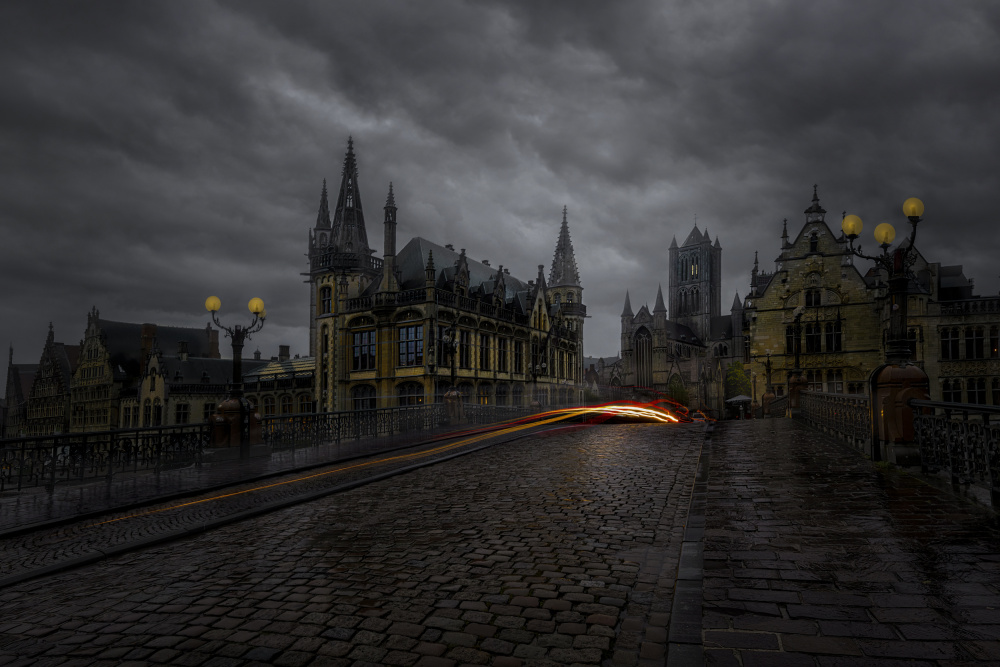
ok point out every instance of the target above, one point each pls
(389, 282)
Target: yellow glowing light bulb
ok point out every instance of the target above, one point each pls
(256, 306)
(213, 304)
(852, 226)
(913, 208)
(885, 233)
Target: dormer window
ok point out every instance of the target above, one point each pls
(814, 243)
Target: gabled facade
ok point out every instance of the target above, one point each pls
(839, 328)
(49, 399)
(113, 358)
(404, 328)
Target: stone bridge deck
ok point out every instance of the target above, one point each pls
(558, 549)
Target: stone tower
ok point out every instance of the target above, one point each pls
(695, 282)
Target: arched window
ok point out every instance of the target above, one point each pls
(517, 395)
(410, 393)
(157, 413)
(286, 405)
(483, 393)
(305, 405)
(325, 300)
(814, 243)
(643, 358)
(363, 397)
(152, 379)
(503, 392)
(268, 405)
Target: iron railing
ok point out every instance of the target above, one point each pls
(779, 406)
(961, 439)
(844, 416)
(301, 430)
(77, 457)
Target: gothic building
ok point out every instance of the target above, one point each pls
(404, 328)
(48, 400)
(686, 350)
(843, 319)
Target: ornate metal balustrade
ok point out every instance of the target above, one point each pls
(303, 430)
(84, 457)
(962, 439)
(845, 416)
(779, 406)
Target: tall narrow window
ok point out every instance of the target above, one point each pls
(502, 344)
(976, 388)
(790, 339)
(643, 358)
(518, 357)
(325, 300)
(974, 343)
(182, 413)
(411, 346)
(364, 351)
(465, 349)
(994, 342)
(951, 391)
(813, 337)
(484, 352)
(834, 338)
(813, 298)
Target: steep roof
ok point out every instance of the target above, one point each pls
(411, 263)
(348, 217)
(210, 371)
(564, 270)
(694, 238)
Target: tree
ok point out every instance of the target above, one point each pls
(737, 380)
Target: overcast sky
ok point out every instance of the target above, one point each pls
(154, 153)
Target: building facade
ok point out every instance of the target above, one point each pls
(19, 380)
(818, 301)
(283, 385)
(113, 358)
(405, 328)
(48, 409)
(685, 351)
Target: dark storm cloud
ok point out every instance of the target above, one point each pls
(152, 153)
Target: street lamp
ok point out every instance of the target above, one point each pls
(536, 370)
(452, 397)
(236, 406)
(897, 265)
(898, 380)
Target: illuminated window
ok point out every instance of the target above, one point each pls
(410, 393)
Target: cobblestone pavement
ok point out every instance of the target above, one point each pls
(813, 556)
(557, 549)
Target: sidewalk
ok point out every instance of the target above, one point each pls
(813, 556)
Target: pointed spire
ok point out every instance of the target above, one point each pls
(349, 233)
(737, 304)
(755, 266)
(390, 201)
(628, 307)
(323, 217)
(564, 271)
(673, 242)
(784, 233)
(815, 213)
(659, 307)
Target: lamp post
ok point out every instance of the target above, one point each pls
(236, 408)
(768, 396)
(898, 379)
(452, 397)
(536, 370)
(796, 379)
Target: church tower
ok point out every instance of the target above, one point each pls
(341, 265)
(695, 282)
(565, 290)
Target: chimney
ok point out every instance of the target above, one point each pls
(449, 247)
(182, 350)
(486, 262)
(283, 352)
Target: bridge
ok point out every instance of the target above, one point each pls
(757, 542)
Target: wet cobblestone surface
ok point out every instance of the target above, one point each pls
(550, 550)
(814, 556)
